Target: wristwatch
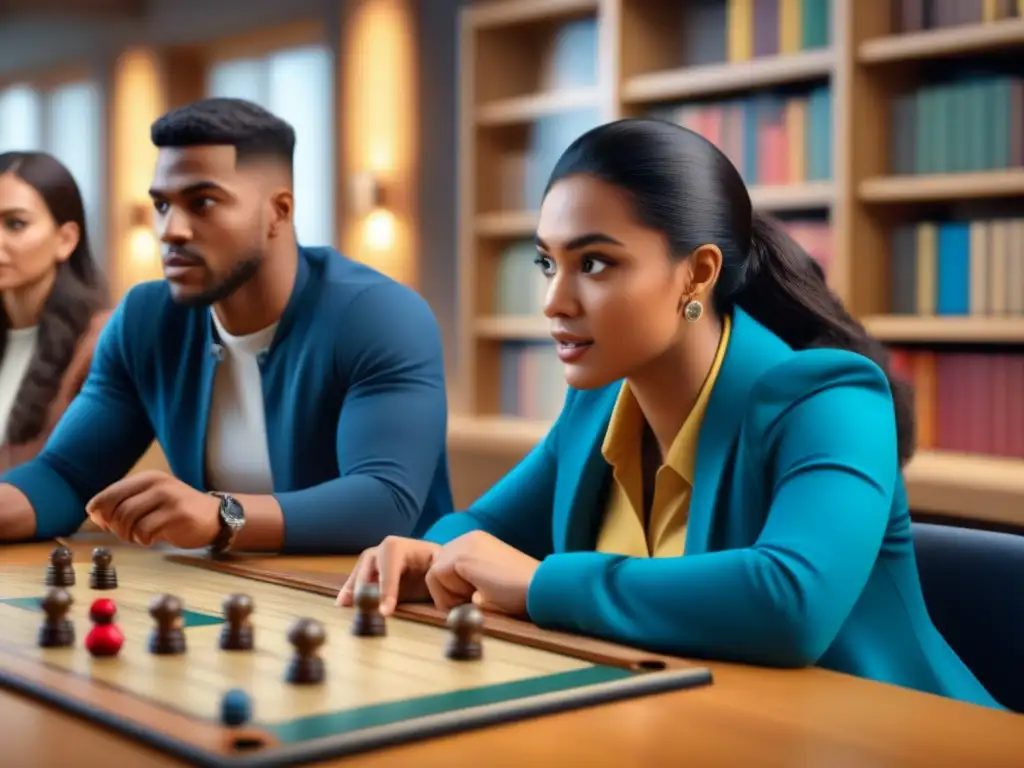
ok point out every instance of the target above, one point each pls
(232, 520)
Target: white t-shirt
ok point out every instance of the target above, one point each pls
(237, 456)
(21, 346)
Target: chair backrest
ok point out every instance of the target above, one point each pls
(973, 584)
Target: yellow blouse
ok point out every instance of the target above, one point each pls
(622, 531)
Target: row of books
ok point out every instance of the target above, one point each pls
(520, 286)
(916, 15)
(772, 27)
(958, 268)
(972, 122)
(532, 380)
(772, 139)
(966, 402)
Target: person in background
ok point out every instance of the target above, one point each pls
(298, 395)
(724, 480)
(54, 301)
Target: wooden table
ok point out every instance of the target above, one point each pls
(749, 717)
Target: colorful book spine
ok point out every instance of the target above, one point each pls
(918, 15)
(760, 28)
(966, 402)
(958, 268)
(772, 139)
(970, 123)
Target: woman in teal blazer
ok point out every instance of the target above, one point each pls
(798, 544)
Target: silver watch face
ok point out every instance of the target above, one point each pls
(231, 512)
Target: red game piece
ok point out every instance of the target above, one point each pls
(104, 639)
(102, 611)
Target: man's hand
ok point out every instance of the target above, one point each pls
(153, 506)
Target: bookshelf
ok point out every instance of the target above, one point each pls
(528, 64)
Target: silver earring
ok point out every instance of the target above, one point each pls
(693, 311)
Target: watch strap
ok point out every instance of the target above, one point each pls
(226, 535)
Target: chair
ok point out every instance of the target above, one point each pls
(973, 584)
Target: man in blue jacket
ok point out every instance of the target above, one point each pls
(299, 396)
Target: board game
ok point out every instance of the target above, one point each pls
(302, 680)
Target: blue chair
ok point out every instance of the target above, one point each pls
(973, 584)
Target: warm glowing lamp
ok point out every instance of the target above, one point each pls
(142, 244)
(379, 233)
(367, 202)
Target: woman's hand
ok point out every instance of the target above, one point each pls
(399, 567)
(484, 569)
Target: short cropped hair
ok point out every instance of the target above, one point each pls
(249, 128)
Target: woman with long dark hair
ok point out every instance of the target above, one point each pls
(724, 480)
(53, 300)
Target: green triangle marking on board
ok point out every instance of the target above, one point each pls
(190, 618)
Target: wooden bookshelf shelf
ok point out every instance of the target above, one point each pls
(524, 109)
(506, 223)
(946, 330)
(506, 13)
(698, 82)
(983, 489)
(940, 187)
(525, 61)
(495, 433)
(943, 43)
(513, 328)
(793, 197)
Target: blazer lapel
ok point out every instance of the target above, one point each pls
(582, 476)
(752, 349)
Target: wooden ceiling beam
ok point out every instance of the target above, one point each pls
(76, 8)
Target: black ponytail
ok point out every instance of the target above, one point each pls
(785, 291)
(684, 187)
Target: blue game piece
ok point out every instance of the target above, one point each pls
(235, 708)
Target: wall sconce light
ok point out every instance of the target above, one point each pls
(366, 196)
(142, 243)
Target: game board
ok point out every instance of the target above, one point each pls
(377, 692)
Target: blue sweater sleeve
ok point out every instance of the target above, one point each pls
(516, 510)
(825, 424)
(391, 433)
(101, 436)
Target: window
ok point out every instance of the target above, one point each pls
(297, 85)
(67, 122)
(20, 119)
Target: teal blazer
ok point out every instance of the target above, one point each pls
(799, 548)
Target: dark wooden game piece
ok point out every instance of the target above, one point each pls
(306, 666)
(56, 631)
(368, 621)
(61, 571)
(237, 633)
(105, 638)
(103, 575)
(167, 637)
(466, 623)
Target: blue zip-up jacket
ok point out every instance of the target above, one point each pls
(354, 392)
